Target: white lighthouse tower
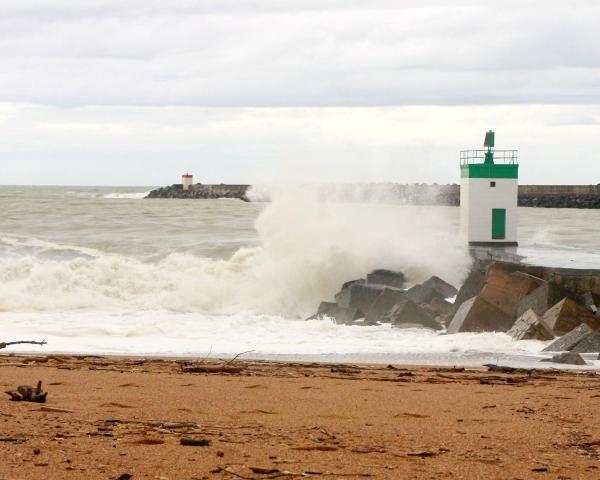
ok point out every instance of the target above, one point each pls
(488, 195)
(187, 180)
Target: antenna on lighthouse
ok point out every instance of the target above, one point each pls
(489, 143)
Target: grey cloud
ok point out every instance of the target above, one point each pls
(298, 53)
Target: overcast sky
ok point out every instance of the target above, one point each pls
(136, 92)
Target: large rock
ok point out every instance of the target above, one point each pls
(570, 340)
(588, 344)
(470, 288)
(478, 315)
(439, 307)
(387, 277)
(349, 283)
(439, 285)
(504, 288)
(340, 315)
(383, 304)
(568, 314)
(359, 295)
(590, 302)
(529, 326)
(408, 314)
(543, 298)
(566, 358)
(423, 294)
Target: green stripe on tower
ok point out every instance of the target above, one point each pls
(482, 170)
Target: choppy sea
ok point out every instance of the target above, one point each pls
(103, 270)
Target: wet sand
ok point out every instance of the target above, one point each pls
(109, 418)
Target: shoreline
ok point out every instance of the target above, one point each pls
(126, 418)
(470, 360)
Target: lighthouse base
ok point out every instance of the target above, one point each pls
(493, 244)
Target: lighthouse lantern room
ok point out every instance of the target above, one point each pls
(187, 180)
(488, 195)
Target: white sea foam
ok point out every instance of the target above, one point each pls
(126, 196)
(307, 248)
(162, 332)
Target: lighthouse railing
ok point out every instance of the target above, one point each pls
(505, 157)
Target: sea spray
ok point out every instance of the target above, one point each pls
(310, 241)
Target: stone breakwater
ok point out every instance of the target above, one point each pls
(200, 191)
(525, 301)
(544, 196)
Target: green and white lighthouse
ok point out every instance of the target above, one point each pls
(488, 195)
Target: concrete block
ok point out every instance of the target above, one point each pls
(590, 302)
(387, 277)
(359, 295)
(383, 304)
(543, 298)
(470, 288)
(566, 358)
(423, 294)
(568, 314)
(340, 315)
(529, 326)
(441, 286)
(408, 314)
(505, 289)
(478, 315)
(570, 340)
(590, 343)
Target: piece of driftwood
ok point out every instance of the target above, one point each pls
(194, 442)
(20, 342)
(225, 367)
(276, 473)
(26, 393)
(211, 369)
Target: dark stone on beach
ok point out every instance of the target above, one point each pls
(529, 326)
(387, 277)
(590, 343)
(340, 315)
(543, 298)
(408, 314)
(566, 315)
(441, 286)
(359, 295)
(383, 304)
(470, 288)
(566, 358)
(478, 315)
(570, 340)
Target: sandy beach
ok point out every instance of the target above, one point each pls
(119, 418)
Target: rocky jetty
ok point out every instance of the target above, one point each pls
(201, 191)
(383, 298)
(544, 196)
(527, 302)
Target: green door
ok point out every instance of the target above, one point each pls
(498, 223)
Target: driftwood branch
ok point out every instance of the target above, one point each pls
(236, 357)
(20, 342)
(225, 367)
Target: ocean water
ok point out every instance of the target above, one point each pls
(103, 270)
